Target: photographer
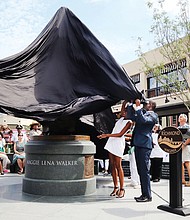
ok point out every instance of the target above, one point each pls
(145, 118)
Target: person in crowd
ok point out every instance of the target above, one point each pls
(156, 156)
(145, 118)
(3, 155)
(34, 129)
(135, 180)
(19, 131)
(10, 143)
(104, 164)
(19, 154)
(115, 146)
(185, 149)
(186, 159)
(5, 131)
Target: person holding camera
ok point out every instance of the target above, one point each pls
(145, 118)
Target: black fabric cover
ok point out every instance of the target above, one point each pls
(103, 123)
(64, 72)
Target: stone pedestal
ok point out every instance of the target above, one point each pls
(59, 166)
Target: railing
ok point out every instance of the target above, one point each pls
(158, 91)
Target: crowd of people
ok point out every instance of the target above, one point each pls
(14, 142)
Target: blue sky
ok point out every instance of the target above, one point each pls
(117, 24)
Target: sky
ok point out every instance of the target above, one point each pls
(116, 24)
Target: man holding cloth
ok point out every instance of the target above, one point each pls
(145, 118)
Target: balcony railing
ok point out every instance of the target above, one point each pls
(162, 91)
(156, 92)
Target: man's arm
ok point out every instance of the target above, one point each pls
(130, 112)
(147, 118)
(150, 117)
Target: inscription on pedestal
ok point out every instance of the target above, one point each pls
(52, 162)
(59, 166)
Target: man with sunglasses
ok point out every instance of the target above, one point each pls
(19, 132)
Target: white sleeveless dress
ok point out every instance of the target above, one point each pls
(116, 145)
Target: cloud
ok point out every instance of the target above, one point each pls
(18, 26)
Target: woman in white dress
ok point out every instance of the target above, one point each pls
(115, 146)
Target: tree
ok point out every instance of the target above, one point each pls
(172, 37)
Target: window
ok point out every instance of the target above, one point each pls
(151, 83)
(182, 74)
(172, 120)
(136, 78)
(174, 71)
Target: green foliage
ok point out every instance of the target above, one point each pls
(172, 37)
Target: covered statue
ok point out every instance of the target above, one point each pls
(66, 72)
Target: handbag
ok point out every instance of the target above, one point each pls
(127, 147)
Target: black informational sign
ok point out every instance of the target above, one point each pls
(170, 140)
(126, 167)
(165, 174)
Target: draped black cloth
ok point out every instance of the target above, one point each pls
(64, 72)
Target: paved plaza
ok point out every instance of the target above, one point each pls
(19, 206)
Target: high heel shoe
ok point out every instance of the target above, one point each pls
(20, 172)
(121, 195)
(115, 191)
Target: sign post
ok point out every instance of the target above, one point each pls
(170, 140)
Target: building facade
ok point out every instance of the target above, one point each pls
(13, 121)
(169, 106)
